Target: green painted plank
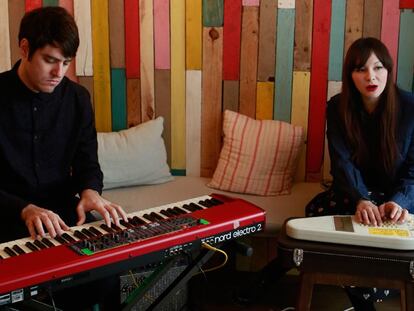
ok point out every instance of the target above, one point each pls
(336, 46)
(50, 3)
(118, 99)
(405, 51)
(284, 64)
(213, 13)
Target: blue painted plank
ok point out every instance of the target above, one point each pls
(336, 40)
(118, 99)
(284, 64)
(406, 51)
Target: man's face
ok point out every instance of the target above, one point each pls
(45, 70)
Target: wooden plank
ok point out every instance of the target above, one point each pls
(71, 72)
(193, 34)
(286, 4)
(406, 4)
(177, 19)
(232, 39)
(32, 4)
(231, 95)
(336, 41)
(117, 33)
(390, 28)
(16, 12)
(163, 105)
(300, 109)
(213, 13)
(353, 21)
(50, 3)
(101, 77)
(284, 64)
(248, 64)
(146, 18)
(267, 40)
(251, 2)
(133, 102)
(264, 101)
(318, 89)
(5, 63)
(193, 118)
(372, 18)
(303, 35)
(405, 51)
(162, 34)
(211, 123)
(118, 99)
(132, 40)
(87, 82)
(84, 56)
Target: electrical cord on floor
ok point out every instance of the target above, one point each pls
(49, 291)
(288, 309)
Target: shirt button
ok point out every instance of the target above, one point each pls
(35, 137)
(34, 108)
(36, 164)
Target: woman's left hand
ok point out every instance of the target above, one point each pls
(394, 212)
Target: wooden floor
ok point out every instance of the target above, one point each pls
(215, 292)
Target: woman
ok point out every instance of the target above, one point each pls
(370, 128)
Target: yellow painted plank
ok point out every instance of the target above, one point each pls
(82, 14)
(193, 19)
(177, 11)
(146, 19)
(5, 61)
(300, 107)
(101, 65)
(193, 117)
(264, 100)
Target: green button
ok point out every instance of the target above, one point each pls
(86, 251)
(204, 222)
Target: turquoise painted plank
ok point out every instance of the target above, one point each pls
(213, 13)
(284, 64)
(118, 99)
(406, 51)
(177, 172)
(336, 40)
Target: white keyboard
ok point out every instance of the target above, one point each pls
(345, 230)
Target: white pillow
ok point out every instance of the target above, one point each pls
(135, 156)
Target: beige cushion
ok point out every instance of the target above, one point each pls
(258, 156)
(135, 156)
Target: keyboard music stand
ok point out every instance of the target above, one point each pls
(337, 264)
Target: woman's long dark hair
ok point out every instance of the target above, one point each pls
(387, 109)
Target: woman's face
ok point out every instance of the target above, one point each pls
(370, 79)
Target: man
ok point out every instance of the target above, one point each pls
(50, 177)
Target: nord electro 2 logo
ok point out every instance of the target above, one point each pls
(233, 234)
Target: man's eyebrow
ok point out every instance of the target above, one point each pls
(58, 59)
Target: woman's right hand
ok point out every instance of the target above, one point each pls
(368, 213)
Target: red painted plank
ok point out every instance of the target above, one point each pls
(71, 73)
(132, 46)
(318, 89)
(390, 28)
(231, 39)
(406, 4)
(33, 4)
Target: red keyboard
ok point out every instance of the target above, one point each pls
(166, 231)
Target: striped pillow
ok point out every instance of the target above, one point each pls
(258, 156)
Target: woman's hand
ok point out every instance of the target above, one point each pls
(393, 212)
(368, 213)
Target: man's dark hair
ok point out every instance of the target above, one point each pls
(50, 25)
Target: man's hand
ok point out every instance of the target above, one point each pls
(91, 200)
(368, 213)
(36, 218)
(394, 212)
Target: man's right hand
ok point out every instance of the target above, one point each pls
(37, 219)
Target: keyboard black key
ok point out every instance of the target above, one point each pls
(18, 249)
(47, 242)
(31, 246)
(39, 244)
(87, 233)
(95, 231)
(60, 239)
(10, 252)
(80, 235)
(68, 238)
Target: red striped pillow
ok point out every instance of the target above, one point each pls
(258, 156)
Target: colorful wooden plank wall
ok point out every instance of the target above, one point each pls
(188, 60)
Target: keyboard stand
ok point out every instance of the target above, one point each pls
(182, 279)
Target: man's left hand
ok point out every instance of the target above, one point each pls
(90, 200)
